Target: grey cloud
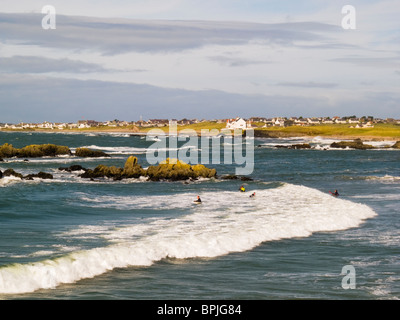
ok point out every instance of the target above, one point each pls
(37, 98)
(113, 36)
(236, 62)
(308, 84)
(32, 64)
(384, 62)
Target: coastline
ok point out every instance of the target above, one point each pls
(258, 133)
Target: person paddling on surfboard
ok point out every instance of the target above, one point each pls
(336, 193)
(242, 189)
(198, 200)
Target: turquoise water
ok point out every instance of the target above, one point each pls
(71, 238)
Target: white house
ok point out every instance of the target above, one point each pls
(279, 122)
(239, 123)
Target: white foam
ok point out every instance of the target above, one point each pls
(225, 222)
(117, 150)
(9, 180)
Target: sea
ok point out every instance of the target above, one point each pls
(70, 238)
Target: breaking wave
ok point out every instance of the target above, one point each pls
(225, 222)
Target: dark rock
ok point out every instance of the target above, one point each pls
(44, 175)
(41, 175)
(10, 172)
(85, 152)
(396, 145)
(356, 144)
(235, 177)
(230, 177)
(295, 146)
(75, 167)
(1, 174)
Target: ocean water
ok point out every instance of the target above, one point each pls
(72, 238)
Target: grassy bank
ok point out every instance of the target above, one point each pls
(338, 131)
(342, 131)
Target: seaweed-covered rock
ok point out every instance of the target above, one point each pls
(44, 150)
(173, 169)
(33, 151)
(86, 152)
(102, 171)
(356, 144)
(7, 151)
(132, 169)
(170, 169)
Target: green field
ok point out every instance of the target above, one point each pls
(379, 131)
(339, 130)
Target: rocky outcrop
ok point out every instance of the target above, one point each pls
(86, 152)
(235, 177)
(131, 169)
(41, 175)
(396, 145)
(170, 169)
(75, 167)
(295, 146)
(356, 144)
(33, 151)
(11, 172)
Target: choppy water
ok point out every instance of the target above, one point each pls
(70, 238)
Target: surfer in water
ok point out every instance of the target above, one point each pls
(198, 200)
(252, 195)
(242, 189)
(336, 193)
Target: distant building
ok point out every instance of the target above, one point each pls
(239, 123)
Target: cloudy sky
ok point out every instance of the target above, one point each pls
(198, 59)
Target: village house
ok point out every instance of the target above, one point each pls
(159, 122)
(313, 120)
(354, 120)
(339, 120)
(239, 123)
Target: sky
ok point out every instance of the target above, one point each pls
(209, 59)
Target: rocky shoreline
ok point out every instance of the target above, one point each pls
(168, 170)
(357, 144)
